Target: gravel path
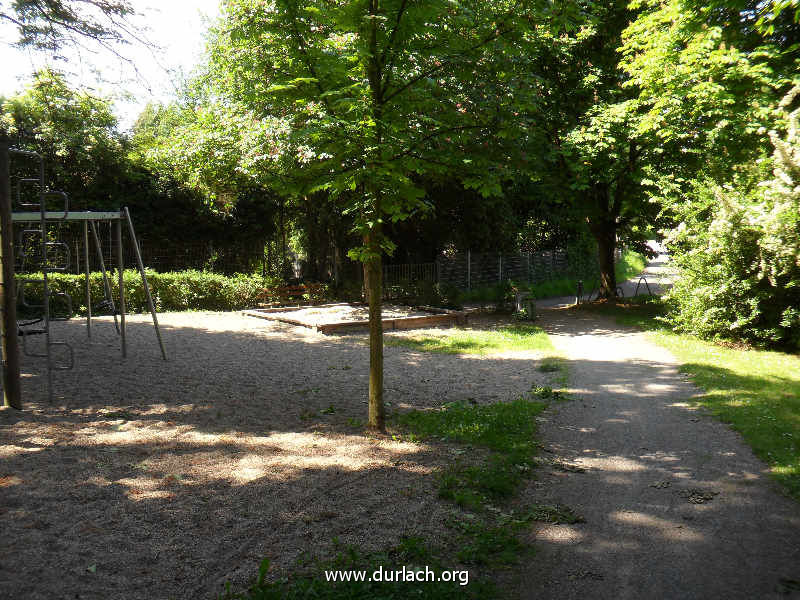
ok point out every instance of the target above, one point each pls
(155, 480)
(676, 505)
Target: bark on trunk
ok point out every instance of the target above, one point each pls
(373, 277)
(8, 298)
(606, 237)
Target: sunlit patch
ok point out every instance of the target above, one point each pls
(249, 469)
(560, 534)
(10, 450)
(612, 463)
(618, 480)
(685, 405)
(145, 488)
(669, 529)
(41, 441)
(10, 480)
(661, 457)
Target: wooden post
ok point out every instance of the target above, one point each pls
(8, 296)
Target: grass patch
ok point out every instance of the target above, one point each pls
(756, 391)
(476, 341)
(505, 429)
(629, 265)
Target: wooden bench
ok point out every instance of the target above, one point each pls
(308, 293)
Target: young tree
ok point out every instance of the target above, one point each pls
(360, 98)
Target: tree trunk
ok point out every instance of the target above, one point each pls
(606, 236)
(373, 278)
(8, 298)
(373, 269)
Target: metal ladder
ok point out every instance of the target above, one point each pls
(46, 256)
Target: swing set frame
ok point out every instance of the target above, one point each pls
(11, 329)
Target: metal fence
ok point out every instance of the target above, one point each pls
(469, 270)
(177, 256)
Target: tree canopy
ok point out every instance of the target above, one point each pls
(53, 24)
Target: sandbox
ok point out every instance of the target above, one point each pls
(328, 318)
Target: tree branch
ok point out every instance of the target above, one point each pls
(414, 80)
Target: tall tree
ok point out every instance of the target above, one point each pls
(362, 97)
(53, 24)
(597, 153)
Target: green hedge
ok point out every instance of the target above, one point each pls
(177, 291)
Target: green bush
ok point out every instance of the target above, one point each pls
(423, 293)
(177, 291)
(737, 250)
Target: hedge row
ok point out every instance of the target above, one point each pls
(177, 291)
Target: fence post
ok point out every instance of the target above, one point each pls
(527, 266)
(500, 268)
(469, 275)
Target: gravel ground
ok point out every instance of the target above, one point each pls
(152, 479)
(676, 504)
(319, 315)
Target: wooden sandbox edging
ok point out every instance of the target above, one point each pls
(439, 316)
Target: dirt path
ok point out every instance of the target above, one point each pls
(676, 505)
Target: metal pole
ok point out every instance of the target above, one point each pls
(106, 283)
(88, 288)
(144, 281)
(121, 270)
(469, 286)
(8, 297)
(45, 281)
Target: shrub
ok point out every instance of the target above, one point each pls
(738, 252)
(176, 291)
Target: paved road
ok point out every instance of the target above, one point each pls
(676, 505)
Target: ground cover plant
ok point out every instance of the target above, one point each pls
(756, 391)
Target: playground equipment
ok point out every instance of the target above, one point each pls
(40, 250)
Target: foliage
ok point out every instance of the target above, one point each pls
(52, 24)
(100, 169)
(477, 341)
(738, 251)
(708, 78)
(177, 291)
(75, 133)
(360, 99)
(595, 155)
